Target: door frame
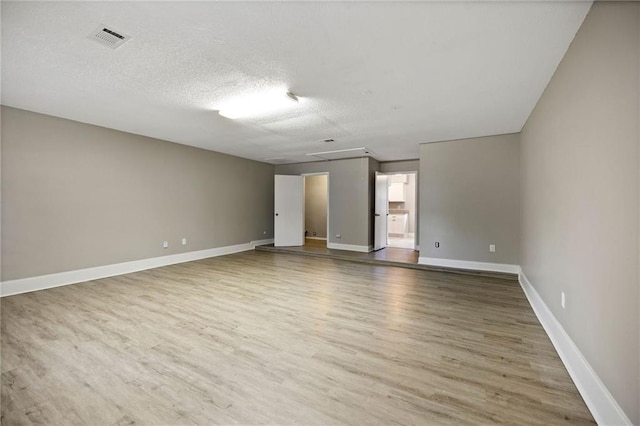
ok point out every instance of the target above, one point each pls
(380, 219)
(415, 201)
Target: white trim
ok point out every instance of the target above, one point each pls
(601, 403)
(261, 242)
(314, 174)
(25, 285)
(316, 238)
(465, 264)
(350, 247)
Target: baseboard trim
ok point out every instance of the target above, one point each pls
(261, 242)
(465, 264)
(316, 238)
(42, 282)
(599, 400)
(350, 247)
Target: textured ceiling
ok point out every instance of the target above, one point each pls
(382, 75)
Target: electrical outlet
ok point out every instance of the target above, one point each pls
(338, 236)
(492, 248)
(184, 241)
(562, 299)
(437, 244)
(165, 244)
(264, 232)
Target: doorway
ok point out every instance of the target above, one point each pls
(399, 196)
(401, 222)
(316, 209)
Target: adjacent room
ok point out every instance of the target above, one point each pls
(320, 213)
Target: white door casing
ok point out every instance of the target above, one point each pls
(381, 211)
(288, 211)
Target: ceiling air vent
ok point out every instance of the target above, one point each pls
(109, 37)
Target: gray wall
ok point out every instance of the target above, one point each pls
(76, 196)
(315, 206)
(400, 166)
(349, 197)
(580, 193)
(469, 198)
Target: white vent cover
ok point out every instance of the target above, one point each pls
(109, 37)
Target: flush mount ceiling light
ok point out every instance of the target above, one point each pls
(259, 104)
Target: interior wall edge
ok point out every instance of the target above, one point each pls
(473, 137)
(603, 407)
(466, 264)
(43, 282)
(350, 247)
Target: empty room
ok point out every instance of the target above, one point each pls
(319, 213)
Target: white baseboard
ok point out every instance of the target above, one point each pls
(350, 247)
(25, 285)
(316, 238)
(465, 264)
(261, 242)
(603, 407)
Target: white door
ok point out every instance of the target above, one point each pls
(380, 215)
(288, 225)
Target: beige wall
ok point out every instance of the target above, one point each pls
(469, 198)
(315, 206)
(580, 191)
(349, 197)
(76, 196)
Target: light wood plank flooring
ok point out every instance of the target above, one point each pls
(389, 256)
(268, 338)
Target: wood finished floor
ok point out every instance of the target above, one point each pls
(319, 249)
(267, 338)
(389, 256)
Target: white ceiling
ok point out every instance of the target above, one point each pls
(382, 75)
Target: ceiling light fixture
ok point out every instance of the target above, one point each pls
(258, 104)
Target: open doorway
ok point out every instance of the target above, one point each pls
(401, 219)
(316, 209)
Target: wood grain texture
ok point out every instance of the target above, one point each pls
(389, 256)
(257, 338)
